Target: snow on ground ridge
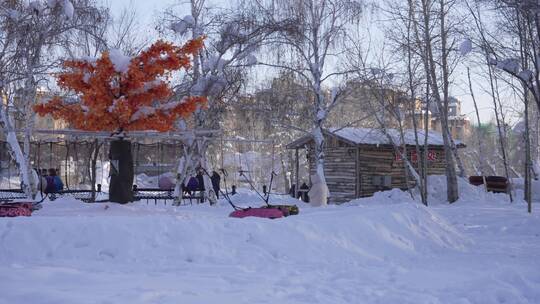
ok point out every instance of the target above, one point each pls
(208, 235)
(384, 249)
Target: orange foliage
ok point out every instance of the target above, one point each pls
(138, 98)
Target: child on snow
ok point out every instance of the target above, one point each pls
(192, 185)
(54, 182)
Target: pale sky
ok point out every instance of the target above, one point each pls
(149, 10)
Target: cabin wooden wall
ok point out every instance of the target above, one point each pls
(373, 161)
(350, 170)
(438, 166)
(339, 169)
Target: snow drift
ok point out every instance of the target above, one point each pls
(161, 236)
(384, 249)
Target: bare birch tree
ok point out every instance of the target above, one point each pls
(311, 45)
(232, 39)
(433, 28)
(522, 19)
(28, 37)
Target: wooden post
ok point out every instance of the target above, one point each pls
(297, 176)
(358, 177)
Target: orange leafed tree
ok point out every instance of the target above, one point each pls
(118, 93)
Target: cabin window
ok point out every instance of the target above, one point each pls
(382, 181)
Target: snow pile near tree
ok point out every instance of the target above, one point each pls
(436, 194)
(467, 193)
(519, 185)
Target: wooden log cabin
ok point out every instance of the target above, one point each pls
(362, 161)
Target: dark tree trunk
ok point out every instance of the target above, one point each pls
(121, 185)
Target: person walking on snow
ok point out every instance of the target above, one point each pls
(216, 179)
(200, 180)
(54, 183)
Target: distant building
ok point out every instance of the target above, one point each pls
(460, 125)
(362, 107)
(421, 114)
(15, 109)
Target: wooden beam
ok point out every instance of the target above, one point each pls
(297, 176)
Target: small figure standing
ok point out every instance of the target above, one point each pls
(54, 182)
(216, 179)
(200, 180)
(304, 192)
(192, 185)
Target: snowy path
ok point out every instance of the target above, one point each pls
(388, 253)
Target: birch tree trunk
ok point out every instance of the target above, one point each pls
(181, 171)
(319, 140)
(500, 128)
(202, 148)
(478, 135)
(430, 66)
(16, 152)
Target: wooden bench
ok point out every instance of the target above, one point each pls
(496, 184)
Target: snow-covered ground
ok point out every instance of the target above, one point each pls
(384, 249)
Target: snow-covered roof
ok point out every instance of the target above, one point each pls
(368, 136)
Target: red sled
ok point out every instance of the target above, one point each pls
(16, 209)
(257, 212)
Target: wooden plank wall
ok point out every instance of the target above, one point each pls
(382, 161)
(339, 169)
(374, 161)
(349, 170)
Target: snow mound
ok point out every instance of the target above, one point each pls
(467, 193)
(436, 194)
(164, 236)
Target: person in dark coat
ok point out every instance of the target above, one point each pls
(216, 179)
(54, 182)
(200, 179)
(192, 185)
(304, 193)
